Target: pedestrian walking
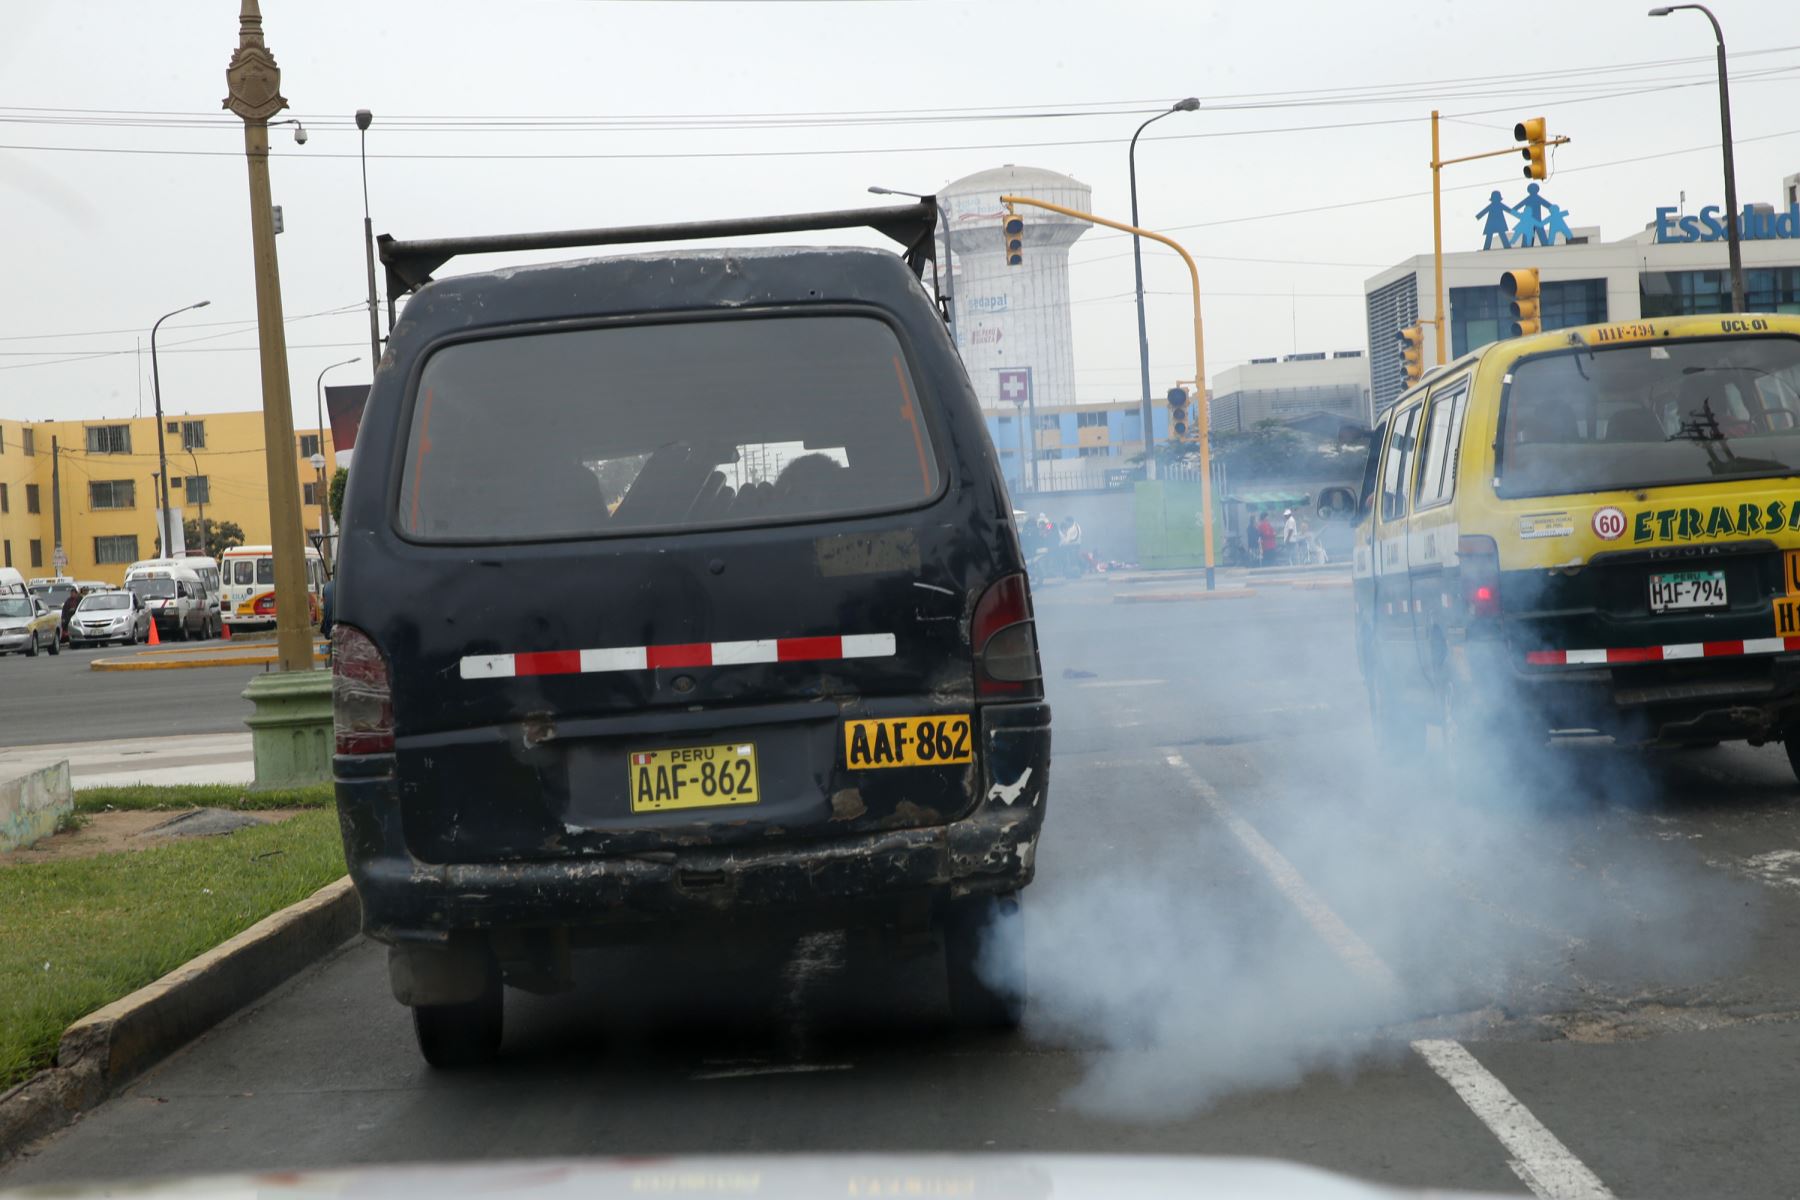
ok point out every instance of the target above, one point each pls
(1252, 538)
(1265, 531)
(1290, 536)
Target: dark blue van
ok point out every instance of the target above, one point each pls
(679, 590)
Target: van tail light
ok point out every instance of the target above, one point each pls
(1480, 560)
(265, 605)
(362, 699)
(1005, 641)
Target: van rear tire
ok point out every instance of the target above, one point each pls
(975, 1003)
(455, 1037)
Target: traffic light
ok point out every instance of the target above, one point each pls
(1179, 428)
(1531, 132)
(1520, 287)
(1013, 229)
(1412, 352)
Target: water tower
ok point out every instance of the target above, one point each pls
(1012, 323)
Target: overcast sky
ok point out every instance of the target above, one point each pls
(96, 243)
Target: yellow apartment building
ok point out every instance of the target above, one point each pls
(104, 473)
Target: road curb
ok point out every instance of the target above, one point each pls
(189, 664)
(107, 1048)
(1172, 597)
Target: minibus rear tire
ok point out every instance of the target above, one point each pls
(458, 1036)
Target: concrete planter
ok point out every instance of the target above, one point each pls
(291, 728)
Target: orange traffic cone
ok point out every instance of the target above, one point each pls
(154, 640)
(225, 631)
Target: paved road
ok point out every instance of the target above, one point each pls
(58, 699)
(1248, 937)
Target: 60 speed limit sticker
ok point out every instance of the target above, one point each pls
(1609, 523)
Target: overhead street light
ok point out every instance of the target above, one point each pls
(162, 454)
(947, 283)
(1733, 247)
(1137, 263)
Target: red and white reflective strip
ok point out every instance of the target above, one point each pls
(689, 654)
(1643, 654)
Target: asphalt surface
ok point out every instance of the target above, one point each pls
(1247, 937)
(57, 699)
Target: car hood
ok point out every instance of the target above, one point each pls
(14, 624)
(796, 1177)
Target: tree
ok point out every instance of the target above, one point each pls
(220, 536)
(1275, 451)
(339, 480)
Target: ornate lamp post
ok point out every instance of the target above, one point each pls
(299, 697)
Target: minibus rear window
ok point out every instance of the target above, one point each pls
(627, 429)
(1636, 416)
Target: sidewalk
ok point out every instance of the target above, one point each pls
(193, 758)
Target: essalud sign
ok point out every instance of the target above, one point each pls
(1708, 226)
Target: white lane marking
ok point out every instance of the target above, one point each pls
(772, 1069)
(1119, 683)
(1327, 924)
(1540, 1159)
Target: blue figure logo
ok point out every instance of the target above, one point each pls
(1558, 225)
(1531, 212)
(1495, 215)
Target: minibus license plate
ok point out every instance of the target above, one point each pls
(693, 777)
(1687, 589)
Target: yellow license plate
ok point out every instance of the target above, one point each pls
(693, 777)
(1790, 572)
(907, 742)
(1787, 616)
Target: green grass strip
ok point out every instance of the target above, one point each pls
(199, 795)
(80, 933)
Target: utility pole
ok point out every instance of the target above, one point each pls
(254, 81)
(57, 556)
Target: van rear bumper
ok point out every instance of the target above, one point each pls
(990, 850)
(1751, 697)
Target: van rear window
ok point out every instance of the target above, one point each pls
(629, 429)
(1633, 416)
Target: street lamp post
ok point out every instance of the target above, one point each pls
(162, 455)
(948, 283)
(254, 83)
(1733, 248)
(1137, 263)
(319, 396)
(363, 118)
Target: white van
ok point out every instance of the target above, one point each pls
(178, 600)
(206, 568)
(11, 582)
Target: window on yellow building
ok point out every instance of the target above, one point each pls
(309, 493)
(5, 504)
(309, 445)
(8, 547)
(109, 439)
(112, 493)
(120, 548)
(193, 435)
(28, 440)
(37, 553)
(31, 498)
(198, 490)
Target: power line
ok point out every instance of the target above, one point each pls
(1773, 75)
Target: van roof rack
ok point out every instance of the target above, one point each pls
(410, 263)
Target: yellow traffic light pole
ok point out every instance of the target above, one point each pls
(1204, 416)
(1535, 142)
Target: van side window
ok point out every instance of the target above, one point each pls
(1396, 465)
(1442, 443)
